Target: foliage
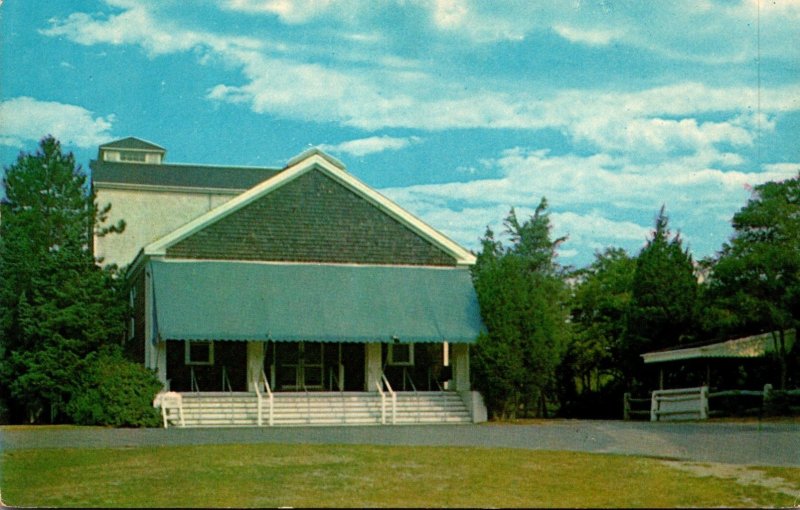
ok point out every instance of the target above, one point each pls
(590, 372)
(56, 305)
(755, 282)
(661, 311)
(521, 296)
(115, 391)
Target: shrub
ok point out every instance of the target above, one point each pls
(116, 392)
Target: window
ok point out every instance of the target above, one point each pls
(132, 323)
(132, 156)
(199, 353)
(401, 354)
(152, 158)
(110, 155)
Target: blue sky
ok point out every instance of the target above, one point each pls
(455, 109)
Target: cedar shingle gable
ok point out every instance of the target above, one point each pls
(312, 218)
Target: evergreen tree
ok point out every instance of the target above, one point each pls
(661, 312)
(754, 284)
(56, 305)
(599, 303)
(521, 295)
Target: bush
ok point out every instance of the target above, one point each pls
(782, 403)
(117, 392)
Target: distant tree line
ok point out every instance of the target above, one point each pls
(570, 341)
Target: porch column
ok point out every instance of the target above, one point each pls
(161, 361)
(459, 359)
(372, 365)
(255, 363)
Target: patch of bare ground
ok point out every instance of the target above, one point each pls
(743, 475)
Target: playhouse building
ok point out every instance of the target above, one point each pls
(294, 295)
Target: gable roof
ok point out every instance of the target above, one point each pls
(314, 159)
(179, 175)
(133, 143)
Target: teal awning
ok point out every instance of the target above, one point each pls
(310, 302)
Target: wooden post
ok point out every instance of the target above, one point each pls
(704, 403)
(626, 406)
(654, 406)
(661, 378)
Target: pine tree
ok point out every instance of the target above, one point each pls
(661, 312)
(56, 305)
(521, 296)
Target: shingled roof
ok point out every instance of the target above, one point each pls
(133, 143)
(183, 176)
(301, 197)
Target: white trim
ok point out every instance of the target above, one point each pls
(201, 165)
(315, 160)
(180, 260)
(132, 321)
(187, 358)
(168, 189)
(390, 356)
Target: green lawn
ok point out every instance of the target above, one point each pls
(357, 476)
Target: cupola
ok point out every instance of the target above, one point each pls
(132, 150)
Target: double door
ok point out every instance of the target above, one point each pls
(299, 365)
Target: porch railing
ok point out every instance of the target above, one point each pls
(308, 403)
(226, 380)
(193, 381)
(379, 384)
(262, 378)
(407, 377)
(338, 379)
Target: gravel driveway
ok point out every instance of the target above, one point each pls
(770, 444)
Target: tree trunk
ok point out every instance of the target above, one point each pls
(782, 357)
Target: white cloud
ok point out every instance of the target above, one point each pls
(371, 145)
(598, 201)
(464, 18)
(289, 11)
(582, 36)
(136, 25)
(372, 95)
(23, 119)
(705, 32)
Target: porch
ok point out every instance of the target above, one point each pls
(314, 336)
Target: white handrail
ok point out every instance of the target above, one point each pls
(269, 396)
(258, 399)
(394, 397)
(383, 401)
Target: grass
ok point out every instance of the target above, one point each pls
(374, 476)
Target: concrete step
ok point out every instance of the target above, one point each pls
(320, 408)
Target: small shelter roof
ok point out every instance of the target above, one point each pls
(755, 346)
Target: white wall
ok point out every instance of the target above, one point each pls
(148, 216)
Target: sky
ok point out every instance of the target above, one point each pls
(455, 109)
